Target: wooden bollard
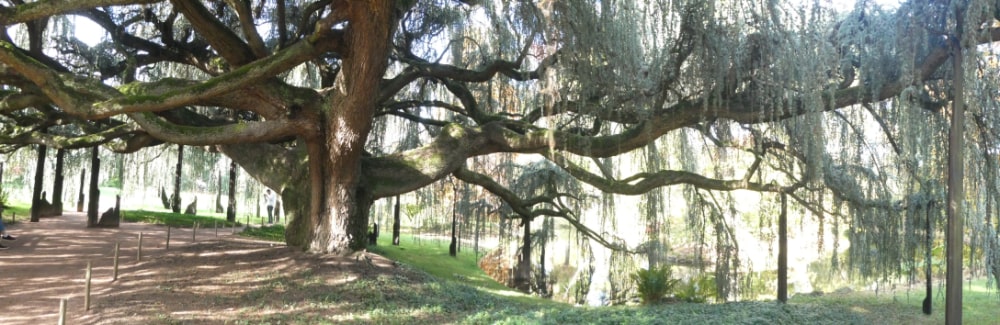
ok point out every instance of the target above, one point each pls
(215, 224)
(114, 274)
(194, 232)
(62, 311)
(138, 254)
(86, 296)
(168, 237)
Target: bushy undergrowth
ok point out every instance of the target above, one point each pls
(654, 283)
(698, 289)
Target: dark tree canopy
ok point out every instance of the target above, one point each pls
(338, 103)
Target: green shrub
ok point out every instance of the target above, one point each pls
(699, 289)
(654, 283)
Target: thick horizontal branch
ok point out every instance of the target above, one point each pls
(71, 142)
(46, 8)
(642, 183)
(410, 170)
(242, 132)
(92, 100)
(223, 39)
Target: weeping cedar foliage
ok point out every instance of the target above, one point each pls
(843, 111)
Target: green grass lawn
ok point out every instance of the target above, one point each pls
(980, 305)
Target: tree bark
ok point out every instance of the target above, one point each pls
(783, 251)
(57, 186)
(95, 192)
(929, 237)
(218, 193)
(395, 223)
(79, 196)
(522, 273)
(340, 199)
(175, 200)
(326, 198)
(453, 247)
(36, 194)
(231, 207)
(956, 175)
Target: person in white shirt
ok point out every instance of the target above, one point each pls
(270, 199)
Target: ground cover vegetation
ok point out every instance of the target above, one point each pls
(581, 142)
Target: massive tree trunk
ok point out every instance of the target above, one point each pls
(326, 199)
(341, 200)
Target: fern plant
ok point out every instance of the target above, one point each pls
(654, 283)
(698, 290)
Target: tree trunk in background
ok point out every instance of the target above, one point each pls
(452, 248)
(57, 186)
(95, 193)
(120, 164)
(395, 223)
(231, 207)
(540, 283)
(218, 193)
(928, 267)
(79, 197)
(956, 182)
(522, 272)
(36, 194)
(175, 200)
(783, 251)
(475, 241)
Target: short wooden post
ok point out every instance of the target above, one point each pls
(194, 232)
(168, 237)
(114, 274)
(86, 297)
(215, 224)
(138, 255)
(62, 311)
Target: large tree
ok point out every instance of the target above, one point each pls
(300, 93)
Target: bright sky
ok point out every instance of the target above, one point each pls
(90, 33)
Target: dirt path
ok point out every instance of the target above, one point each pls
(48, 260)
